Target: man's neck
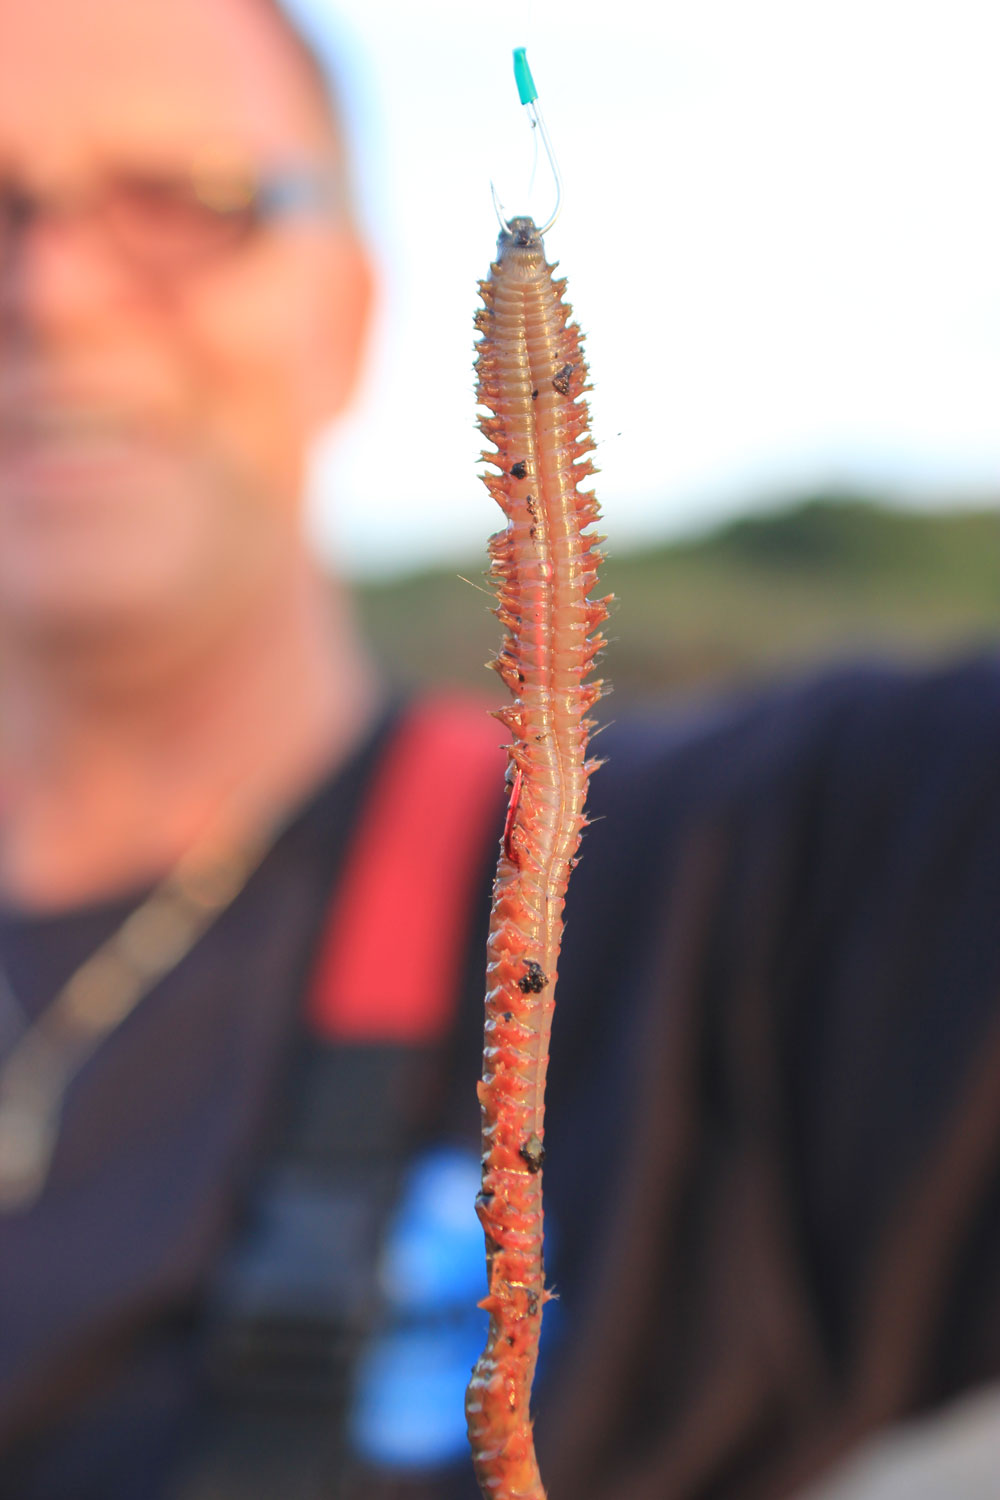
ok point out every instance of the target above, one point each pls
(110, 773)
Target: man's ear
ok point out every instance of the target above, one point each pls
(343, 321)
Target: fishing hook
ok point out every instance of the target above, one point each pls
(528, 95)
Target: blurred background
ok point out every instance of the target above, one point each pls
(782, 238)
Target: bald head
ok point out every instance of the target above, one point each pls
(315, 67)
(168, 74)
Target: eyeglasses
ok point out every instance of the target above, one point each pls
(166, 223)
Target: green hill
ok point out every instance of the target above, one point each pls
(830, 576)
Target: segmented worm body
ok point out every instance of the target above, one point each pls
(531, 375)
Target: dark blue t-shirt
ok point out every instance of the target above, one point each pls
(774, 1204)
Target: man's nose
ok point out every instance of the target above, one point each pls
(56, 272)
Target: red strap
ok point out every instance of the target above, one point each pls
(389, 960)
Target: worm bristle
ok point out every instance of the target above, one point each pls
(510, 717)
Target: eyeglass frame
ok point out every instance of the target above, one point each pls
(270, 196)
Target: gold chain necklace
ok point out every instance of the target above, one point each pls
(95, 1000)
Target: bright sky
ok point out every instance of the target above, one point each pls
(780, 227)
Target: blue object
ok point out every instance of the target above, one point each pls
(408, 1409)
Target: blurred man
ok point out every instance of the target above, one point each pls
(183, 299)
(243, 897)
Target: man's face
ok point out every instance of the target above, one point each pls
(155, 409)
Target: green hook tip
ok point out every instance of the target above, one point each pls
(526, 91)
